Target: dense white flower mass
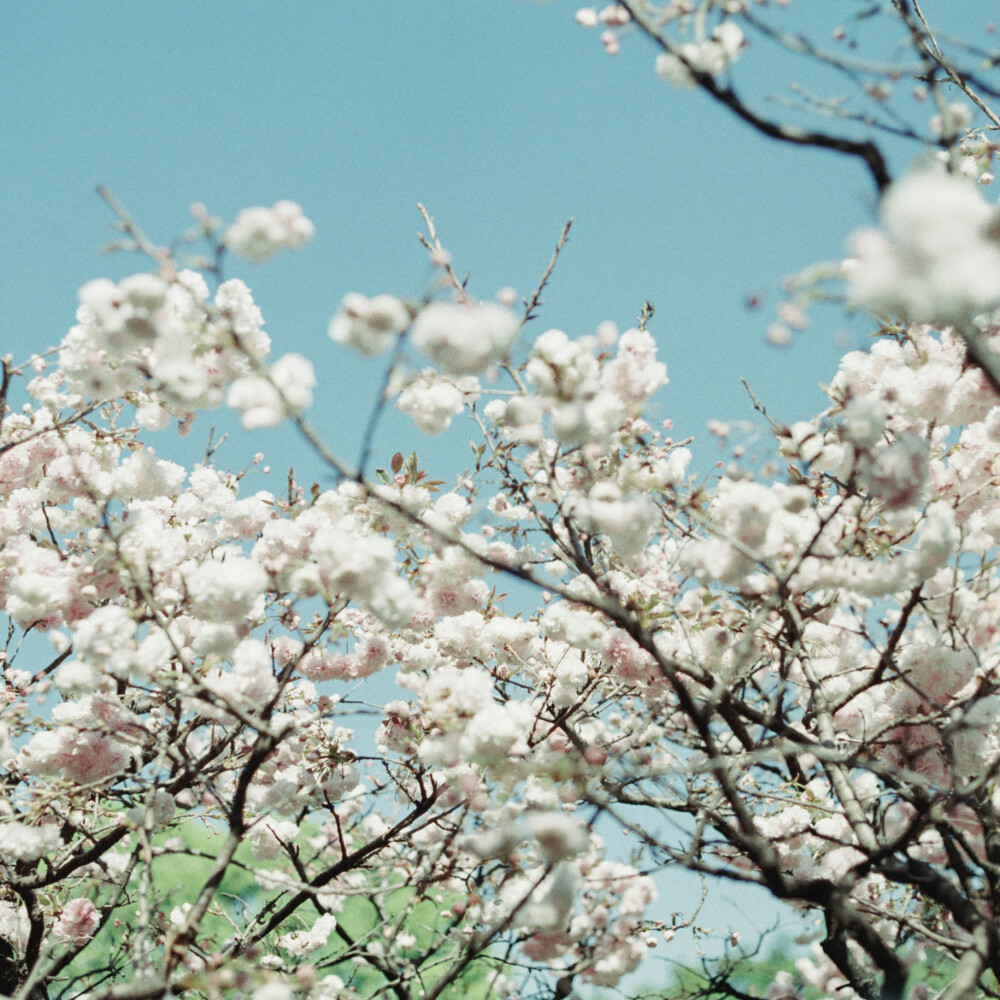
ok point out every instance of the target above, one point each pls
(369, 325)
(937, 259)
(27, 843)
(266, 400)
(464, 339)
(558, 835)
(433, 401)
(226, 588)
(898, 473)
(627, 521)
(320, 706)
(636, 373)
(173, 353)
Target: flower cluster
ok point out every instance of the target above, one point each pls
(329, 685)
(938, 260)
(259, 233)
(712, 55)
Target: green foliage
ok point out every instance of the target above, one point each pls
(734, 974)
(430, 952)
(176, 879)
(741, 976)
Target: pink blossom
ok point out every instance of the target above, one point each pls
(77, 922)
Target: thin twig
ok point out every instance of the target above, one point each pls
(725, 95)
(535, 299)
(438, 252)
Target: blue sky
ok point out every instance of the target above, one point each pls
(503, 117)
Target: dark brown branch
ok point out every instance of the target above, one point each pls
(867, 151)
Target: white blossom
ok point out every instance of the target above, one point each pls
(264, 401)
(370, 326)
(938, 259)
(259, 233)
(433, 401)
(464, 339)
(28, 843)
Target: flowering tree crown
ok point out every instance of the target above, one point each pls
(787, 679)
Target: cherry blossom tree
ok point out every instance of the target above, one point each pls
(785, 676)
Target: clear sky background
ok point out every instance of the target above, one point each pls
(502, 116)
